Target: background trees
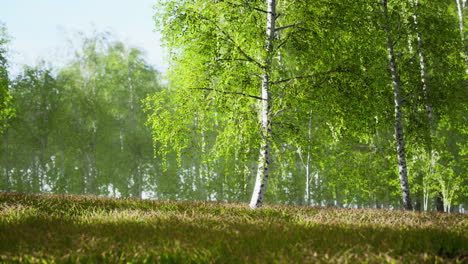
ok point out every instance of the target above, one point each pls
(6, 112)
(80, 129)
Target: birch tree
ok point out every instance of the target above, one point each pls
(461, 5)
(246, 68)
(265, 111)
(424, 83)
(398, 125)
(230, 68)
(237, 46)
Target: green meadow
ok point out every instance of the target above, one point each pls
(89, 229)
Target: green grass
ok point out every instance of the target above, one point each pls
(84, 229)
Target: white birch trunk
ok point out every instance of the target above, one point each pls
(306, 162)
(92, 159)
(426, 196)
(399, 135)
(460, 7)
(264, 158)
(424, 78)
(422, 65)
(461, 4)
(62, 169)
(42, 165)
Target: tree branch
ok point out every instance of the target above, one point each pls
(239, 5)
(231, 60)
(248, 57)
(408, 96)
(288, 26)
(224, 92)
(228, 38)
(279, 112)
(304, 77)
(282, 43)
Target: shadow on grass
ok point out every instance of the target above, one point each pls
(181, 239)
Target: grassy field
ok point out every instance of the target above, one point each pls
(83, 229)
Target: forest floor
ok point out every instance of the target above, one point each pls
(88, 229)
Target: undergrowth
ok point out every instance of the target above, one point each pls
(88, 229)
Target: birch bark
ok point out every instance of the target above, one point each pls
(424, 78)
(265, 109)
(398, 126)
(306, 162)
(422, 64)
(460, 7)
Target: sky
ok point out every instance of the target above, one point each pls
(41, 29)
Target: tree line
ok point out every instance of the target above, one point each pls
(328, 104)
(80, 128)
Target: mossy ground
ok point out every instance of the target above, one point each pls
(86, 229)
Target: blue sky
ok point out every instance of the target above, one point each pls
(40, 28)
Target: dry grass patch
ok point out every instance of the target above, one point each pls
(84, 229)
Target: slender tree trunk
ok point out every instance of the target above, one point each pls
(139, 180)
(7, 167)
(418, 194)
(42, 178)
(424, 78)
(423, 71)
(439, 202)
(306, 164)
(307, 185)
(317, 190)
(245, 180)
(92, 161)
(85, 187)
(460, 8)
(338, 197)
(93, 171)
(308, 161)
(399, 135)
(264, 158)
(63, 181)
(461, 5)
(426, 196)
(36, 188)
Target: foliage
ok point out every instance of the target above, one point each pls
(6, 110)
(74, 124)
(331, 96)
(80, 128)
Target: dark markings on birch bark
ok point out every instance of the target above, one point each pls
(265, 113)
(398, 126)
(425, 91)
